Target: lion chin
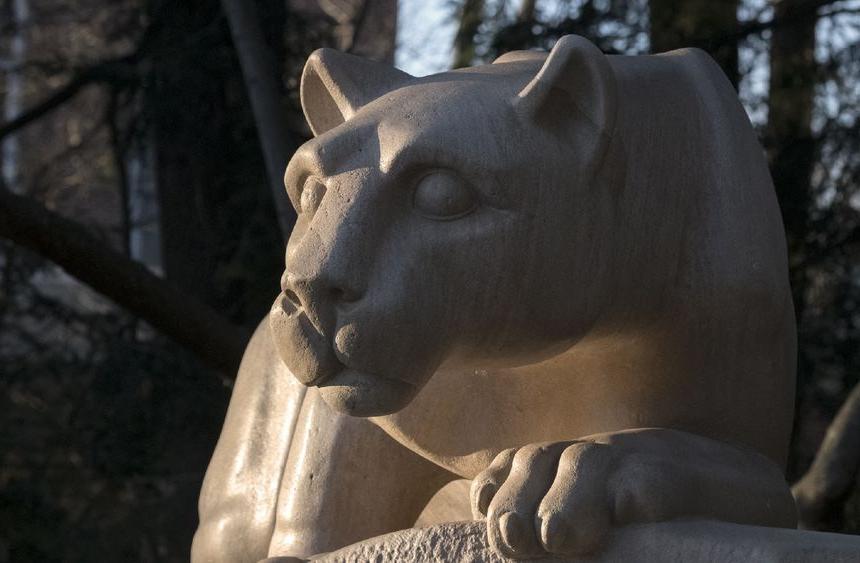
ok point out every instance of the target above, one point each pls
(360, 394)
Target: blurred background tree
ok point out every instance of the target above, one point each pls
(136, 159)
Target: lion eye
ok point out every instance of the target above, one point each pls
(443, 196)
(312, 195)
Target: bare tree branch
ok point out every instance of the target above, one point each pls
(110, 71)
(821, 493)
(121, 71)
(356, 24)
(805, 9)
(217, 342)
(261, 81)
(52, 102)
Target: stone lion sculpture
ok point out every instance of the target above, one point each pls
(561, 276)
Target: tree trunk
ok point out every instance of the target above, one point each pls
(706, 24)
(182, 317)
(471, 16)
(788, 136)
(367, 28)
(13, 92)
(527, 11)
(791, 147)
(264, 90)
(220, 237)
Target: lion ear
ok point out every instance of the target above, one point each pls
(575, 78)
(336, 85)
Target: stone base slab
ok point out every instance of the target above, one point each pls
(669, 542)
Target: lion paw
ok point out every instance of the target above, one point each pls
(564, 498)
(547, 498)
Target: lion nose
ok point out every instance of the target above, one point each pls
(316, 294)
(304, 291)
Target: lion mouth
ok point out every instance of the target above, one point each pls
(316, 360)
(305, 349)
(324, 362)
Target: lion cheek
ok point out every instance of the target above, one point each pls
(346, 343)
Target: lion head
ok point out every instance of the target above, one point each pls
(431, 229)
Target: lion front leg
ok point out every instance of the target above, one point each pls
(345, 480)
(564, 497)
(240, 491)
(291, 477)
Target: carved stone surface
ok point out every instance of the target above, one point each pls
(677, 542)
(562, 277)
